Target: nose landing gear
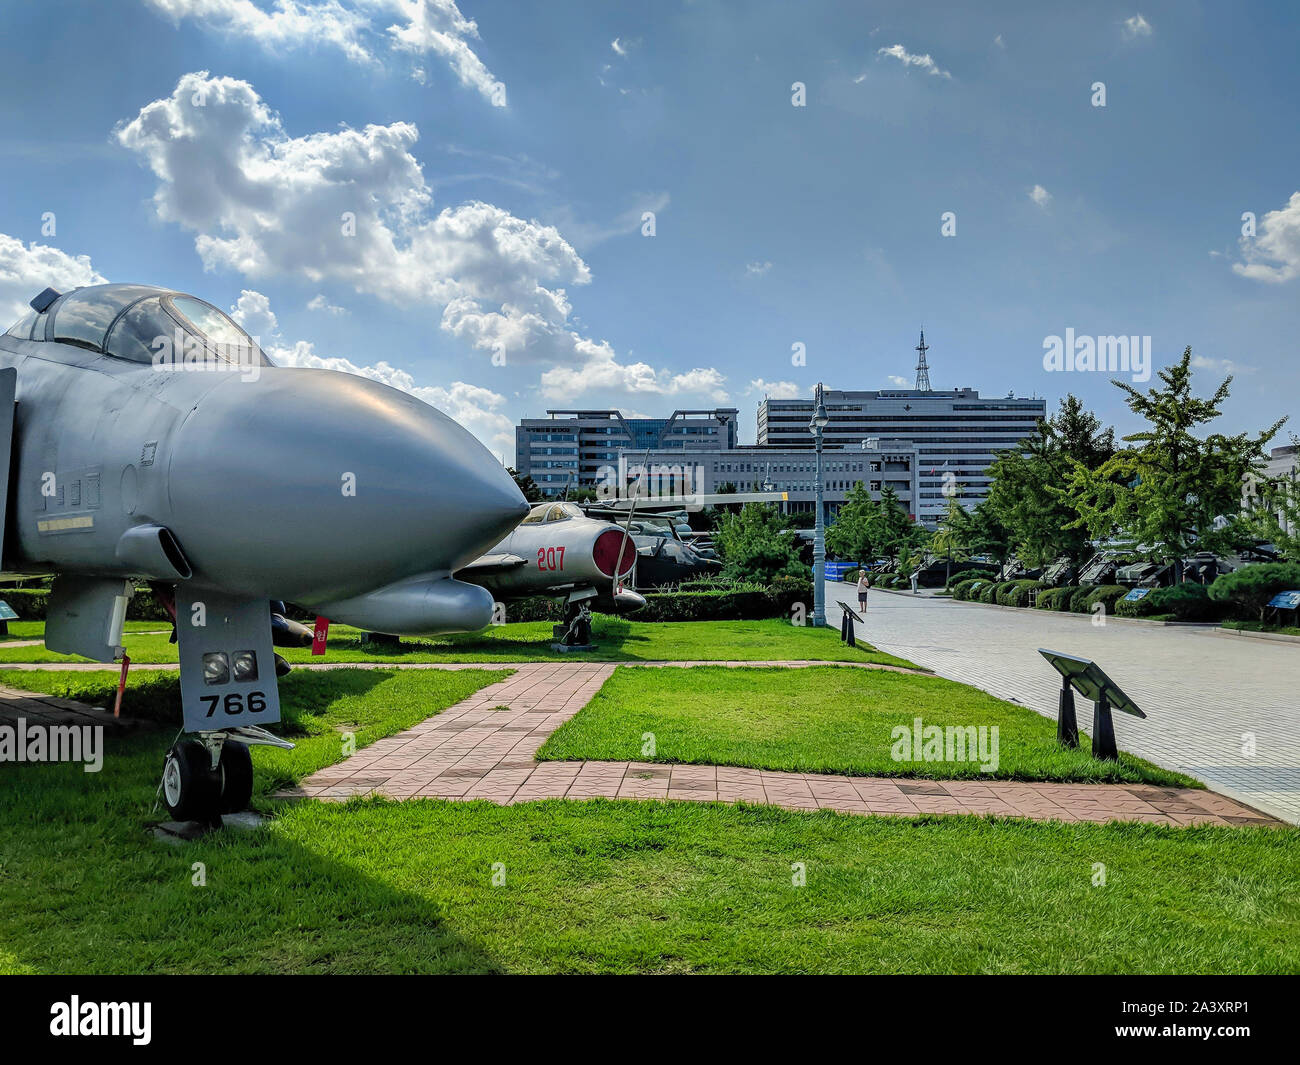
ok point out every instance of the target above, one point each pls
(212, 774)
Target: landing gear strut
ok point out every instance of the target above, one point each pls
(211, 774)
(575, 633)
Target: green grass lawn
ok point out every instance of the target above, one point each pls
(618, 640)
(1255, 626)
(819, 720)
(377, 886)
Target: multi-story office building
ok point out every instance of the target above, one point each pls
(793, 470)
(956, 433)
(576, 447)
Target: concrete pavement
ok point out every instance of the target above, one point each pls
(1219, 708)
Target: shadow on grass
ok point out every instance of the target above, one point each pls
(87, 888)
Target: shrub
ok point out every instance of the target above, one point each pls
(31, 604)
(740, 602)
(1249, 589)
(1183, 602)
(1019, 595)
(963, 589)
(965, 575)
(1056, 598)
(1109, 594)
(1078, 601)
(987, 593)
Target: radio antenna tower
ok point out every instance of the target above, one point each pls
(922, 370)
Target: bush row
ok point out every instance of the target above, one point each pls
(30, 604)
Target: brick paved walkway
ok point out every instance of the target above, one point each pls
(41, 709)
(484, 748)
(1205, 695)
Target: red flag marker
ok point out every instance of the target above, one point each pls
(121, 685)
(320, 635)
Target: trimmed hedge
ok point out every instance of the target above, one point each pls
(963, 589)
(1078, 603)
(750, 603)
(965, 575)
(1021, 591)
(1188, 601)
(1056, 598)
(1248, 590)
(1109, 594)
(31, 604)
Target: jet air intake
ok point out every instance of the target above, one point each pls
(152, 551)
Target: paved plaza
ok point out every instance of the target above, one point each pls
(1205, 694)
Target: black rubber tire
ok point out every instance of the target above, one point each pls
(236, 774)
(190, 787)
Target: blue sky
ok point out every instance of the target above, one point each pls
(500, 266)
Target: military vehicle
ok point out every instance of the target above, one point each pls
(146, 436)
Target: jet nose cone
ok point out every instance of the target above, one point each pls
(326, 484)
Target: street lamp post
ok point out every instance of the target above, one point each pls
(819, 423)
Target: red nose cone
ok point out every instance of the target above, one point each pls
(605, 552)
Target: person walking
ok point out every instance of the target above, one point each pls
(864, 586)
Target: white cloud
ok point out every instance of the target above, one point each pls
(253, 311)
(352, 206)
(925, 62)
(604, 373)
(999, 42)
(776, 389)
(900, 382)
(423, 27)
(320, 303)
(1274, 254)
(619, 47)
(757, 269)
(1200, 362)
(26, 270)
(1135, 27)
(1040, 196)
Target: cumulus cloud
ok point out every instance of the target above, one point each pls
(776, 389)
(900, 382)
(1273, 255)
(352, 207)
(757, 269)
(26, 270)
(320, 303)
(1040, 196)
(908, 59)
(355, 27)
(1200, 362)
(605, 374)
(1134, 27)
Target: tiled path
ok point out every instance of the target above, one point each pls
(475, 750)
(41, 709)
(1223, 709)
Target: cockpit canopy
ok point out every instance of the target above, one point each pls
(142, 323)
(548, 512)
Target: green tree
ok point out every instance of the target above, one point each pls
(755, 545)
(1274, 514)
(1170, 488)
(1023, 500)
(852, 534)
(526, 485)
(895, 531)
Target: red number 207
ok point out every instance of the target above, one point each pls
(550, 558)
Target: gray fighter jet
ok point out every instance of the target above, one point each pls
(145, 436)
(558, 551)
